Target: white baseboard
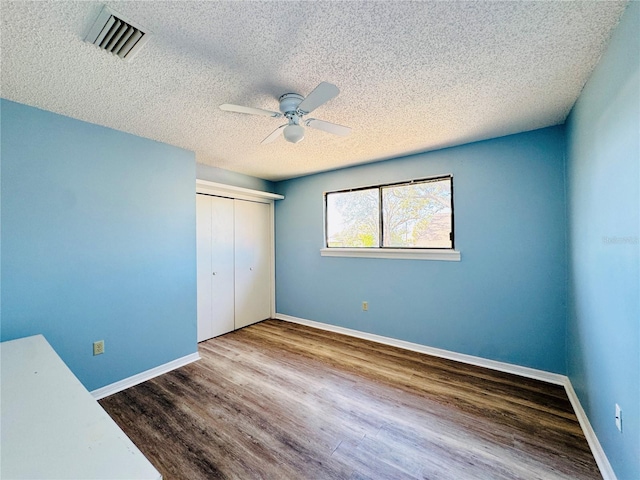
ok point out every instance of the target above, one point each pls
(549, 377)
(598, 453)
(144, 376)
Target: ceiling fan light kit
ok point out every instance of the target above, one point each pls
(294, 107)
(293, 133)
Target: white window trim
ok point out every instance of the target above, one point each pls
(397, 253)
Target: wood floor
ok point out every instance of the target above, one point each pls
(283, 401)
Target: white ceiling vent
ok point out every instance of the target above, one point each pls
(113, 33)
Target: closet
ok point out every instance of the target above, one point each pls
(234, 259)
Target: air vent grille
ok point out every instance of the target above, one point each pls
(118, 36)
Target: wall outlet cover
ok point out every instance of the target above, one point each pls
(98, 347)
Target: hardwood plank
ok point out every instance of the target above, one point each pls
(284, 401)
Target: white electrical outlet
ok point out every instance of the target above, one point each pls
(365, 306)
(618, 417)
(98, 347)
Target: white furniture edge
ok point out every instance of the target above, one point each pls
(144, 376)
(205, 186)
(398, 253)
(52, 427)
(555, 378)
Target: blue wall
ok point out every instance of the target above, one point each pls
(603, 145)
(98, 242)
(505, 300)
(219, 175)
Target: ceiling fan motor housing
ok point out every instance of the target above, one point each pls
(289, 103)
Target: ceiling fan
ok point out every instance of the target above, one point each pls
(294, 107)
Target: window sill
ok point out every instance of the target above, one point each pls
(397, 253)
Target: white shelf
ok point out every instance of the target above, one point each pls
(213, 188)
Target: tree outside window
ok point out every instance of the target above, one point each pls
(417, 214)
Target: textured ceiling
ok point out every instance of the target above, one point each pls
(413, 76)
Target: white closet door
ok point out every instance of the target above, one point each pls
(215, 266)
(222, 265)
(203, 266)
(253, 266)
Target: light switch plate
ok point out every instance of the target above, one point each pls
(618, 417)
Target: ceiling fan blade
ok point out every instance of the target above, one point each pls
(274, 135)
(250, 110)
(328, 127)
(320, 95)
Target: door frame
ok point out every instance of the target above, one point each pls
(229, 191)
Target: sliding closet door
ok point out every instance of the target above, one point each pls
(203, 266)
(215, 265)
(253, 265)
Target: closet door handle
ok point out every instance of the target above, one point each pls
(214, 273)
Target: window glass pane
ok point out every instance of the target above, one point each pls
(353, 219)
(417, 215)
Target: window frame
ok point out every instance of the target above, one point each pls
(381, 251)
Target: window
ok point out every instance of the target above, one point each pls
(414, 215)
(353, 218)
(418, 215)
